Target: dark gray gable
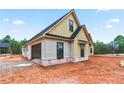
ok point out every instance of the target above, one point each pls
(76, 32)
(73, 35)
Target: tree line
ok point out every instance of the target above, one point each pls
(114, 47)
(16, 46)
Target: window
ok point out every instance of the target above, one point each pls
(82, 50)
(71, 25)
(60, 50)
(91, 50)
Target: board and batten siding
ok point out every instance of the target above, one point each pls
(82, 36)
(87, 50)
(76, 49)
(76, 46)
(49, 49)
(62, 28)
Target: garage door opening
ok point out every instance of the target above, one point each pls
(36, 51)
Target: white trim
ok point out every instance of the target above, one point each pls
(59, 38)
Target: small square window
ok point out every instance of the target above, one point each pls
(71, 25)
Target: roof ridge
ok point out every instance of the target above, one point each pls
(48, 27)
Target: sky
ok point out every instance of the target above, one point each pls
(103, 25)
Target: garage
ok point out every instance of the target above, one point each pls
(36, 51)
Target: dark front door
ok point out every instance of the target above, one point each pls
(36, 51)
(60, 50)
(82, 50)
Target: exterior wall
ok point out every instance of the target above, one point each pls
(28, 52)
(76, 49)
(76, 46)
(87, 50)
(62, 28)
(23, 51)
(49, 47)
(67, 50)
(72, 49)
(49, 52)
(82, 36)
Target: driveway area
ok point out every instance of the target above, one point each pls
(12, 58)
(98, 69)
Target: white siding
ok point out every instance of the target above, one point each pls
(23, 51)
(26, 51)
(29, 52)
(49, 49)
(43, 50)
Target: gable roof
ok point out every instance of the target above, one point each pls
(52, 25)
(85, 31)
(5, 44)
(90, 37)
(76, 32)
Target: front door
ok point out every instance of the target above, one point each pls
(60, 50)
(82, 50)
(36, 51)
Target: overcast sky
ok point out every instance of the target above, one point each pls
(104, 25)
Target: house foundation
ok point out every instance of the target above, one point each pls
(50, 62)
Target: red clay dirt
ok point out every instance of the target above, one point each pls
(96, 70)
(12, 58)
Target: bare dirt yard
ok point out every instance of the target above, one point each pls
(12, 58)
(98, 69)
